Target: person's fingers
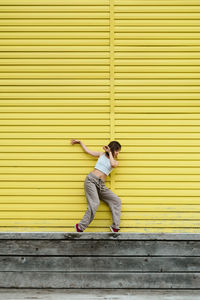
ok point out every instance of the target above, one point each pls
(75, 141)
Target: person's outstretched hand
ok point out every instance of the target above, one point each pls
(73, 141)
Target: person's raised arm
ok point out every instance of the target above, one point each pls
(93, 153)
(113, 162)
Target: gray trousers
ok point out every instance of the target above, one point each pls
(95, 190)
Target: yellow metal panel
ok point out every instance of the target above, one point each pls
(157, 112)
(86, 3)
(100, 71)
(30, 8)
(55, 85)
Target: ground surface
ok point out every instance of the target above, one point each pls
(97, 294)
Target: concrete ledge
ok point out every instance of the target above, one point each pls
(97, 236)
(99, 260)
(98, 294)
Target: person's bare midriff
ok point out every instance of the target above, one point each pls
(99, 174)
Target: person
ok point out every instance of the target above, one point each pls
(94, 185)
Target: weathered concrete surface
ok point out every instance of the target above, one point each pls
(98, 236)
(99, 261)
(97, 294)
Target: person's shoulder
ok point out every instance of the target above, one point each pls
(101, 153)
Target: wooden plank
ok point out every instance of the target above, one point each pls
(99, 264)
(99, 280)
(99, 248)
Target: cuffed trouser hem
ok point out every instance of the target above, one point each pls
(81, 227)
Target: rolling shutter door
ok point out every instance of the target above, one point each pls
(157, 114)
(55, 58)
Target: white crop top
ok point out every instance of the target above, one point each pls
(103, 164)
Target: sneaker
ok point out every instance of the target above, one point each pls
(114, 229)
(77, 228)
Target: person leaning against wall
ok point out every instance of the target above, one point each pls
(94, 185)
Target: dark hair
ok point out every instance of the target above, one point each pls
(114, 146)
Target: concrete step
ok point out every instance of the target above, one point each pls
(98, 294)
(66, 260)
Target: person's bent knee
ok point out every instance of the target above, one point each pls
(96, 205)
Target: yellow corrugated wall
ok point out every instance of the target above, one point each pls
(100, 71)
